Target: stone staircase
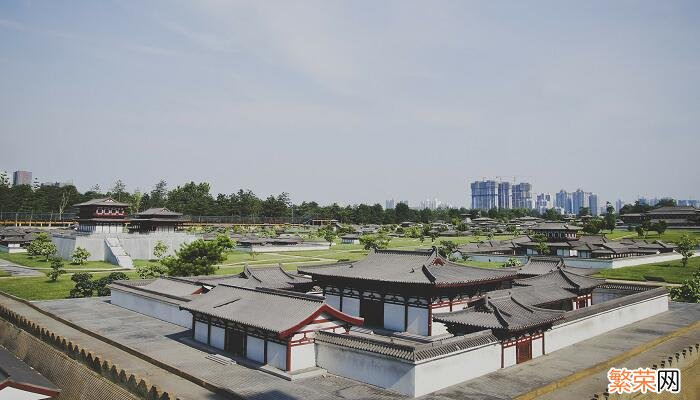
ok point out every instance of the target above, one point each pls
(117, 255)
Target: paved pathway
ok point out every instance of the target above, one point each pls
(18, 270)
(161, 340)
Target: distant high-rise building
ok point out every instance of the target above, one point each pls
(484, 194)
(21, 178)
(503, 195)
(562, 200)
(593, 204)
(618, 205)
(389, 204)
(522, 195)
(579, 200)
(543, 202)
(688, 203)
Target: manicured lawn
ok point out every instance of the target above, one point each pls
(671, 235)
(671, 272)
(38, 262)
(40, 288)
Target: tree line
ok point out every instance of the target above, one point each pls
(196, 199)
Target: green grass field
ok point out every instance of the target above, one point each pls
(40, 288)
(671, 235)
(671, 272)
(40, 263)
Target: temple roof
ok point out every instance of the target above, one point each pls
(277, 311)
(536, 295)
(16, 374)
(501, 312)
(158, 212)
(105, 201)
(540, 265)
(265, 277)
(563, 278)
(416, 267)
(556, 226)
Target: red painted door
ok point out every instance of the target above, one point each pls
(523, 351)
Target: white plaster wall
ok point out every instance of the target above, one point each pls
(394, 316)
(12, 249)
(138, 246)
(277, 355)
(10, 393)
(218, 337)
(446, 371)
(163, 311)
(509, 356)
(438, 328)
(536, 348)
(200, 332)
(274, 249)
(255, 349)
(351, 306)
(366, 367)
(417, 320)
(333, 301)
(588, 262)
(303, 356)
(569, 333)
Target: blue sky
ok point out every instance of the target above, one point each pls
(354, 101)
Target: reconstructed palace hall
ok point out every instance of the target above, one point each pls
(407, 321)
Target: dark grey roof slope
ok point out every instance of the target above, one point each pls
(266, 277)
(273, 310)
(159, 211)
(405, 350)
(541, 265)
(536, 295)
(504, 313)
(417, 267)
(564, 279)
(558, 226)
(105, 201)
(15, 373)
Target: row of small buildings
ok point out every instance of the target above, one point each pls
(408, 321)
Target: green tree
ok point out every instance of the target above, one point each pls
(660, 227)
(118, 191)
(610, 221)
(541, 244)
(447, 247)
(80, 256)
(56, 269)
(512, 262)
(640, 230)
(686, 247)
(42, 246)
(593, 226)
(376, 242)
(196, 258)
(327, 234)
(159, 250)
(402, 212)
(101, 285)
(151, 271)
(84, 286)
(689, 292)
(225, 242)
(584, 211)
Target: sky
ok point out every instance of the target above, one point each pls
(354, 101)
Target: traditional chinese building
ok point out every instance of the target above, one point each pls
(104, 215)
(518, 326)
(267, 326)
(156, 220)
(401, 290)
(580, 285)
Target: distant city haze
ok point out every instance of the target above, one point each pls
(354, 101)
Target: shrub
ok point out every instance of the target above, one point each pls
(80, 256)
(84, 286)
(42, 246)
(151, 271)
(100, 285)
(56, 269)
(159, 250)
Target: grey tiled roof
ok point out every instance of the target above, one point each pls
(272, 310)
(159, 211)
(105, 201)
(16, 374)
(535, 295)
(556, 226)
(541, 265)
(267, 277)
(504, 312)
(404, 349)
(419, 267)
(562, 278)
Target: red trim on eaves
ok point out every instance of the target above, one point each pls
(324, 308)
